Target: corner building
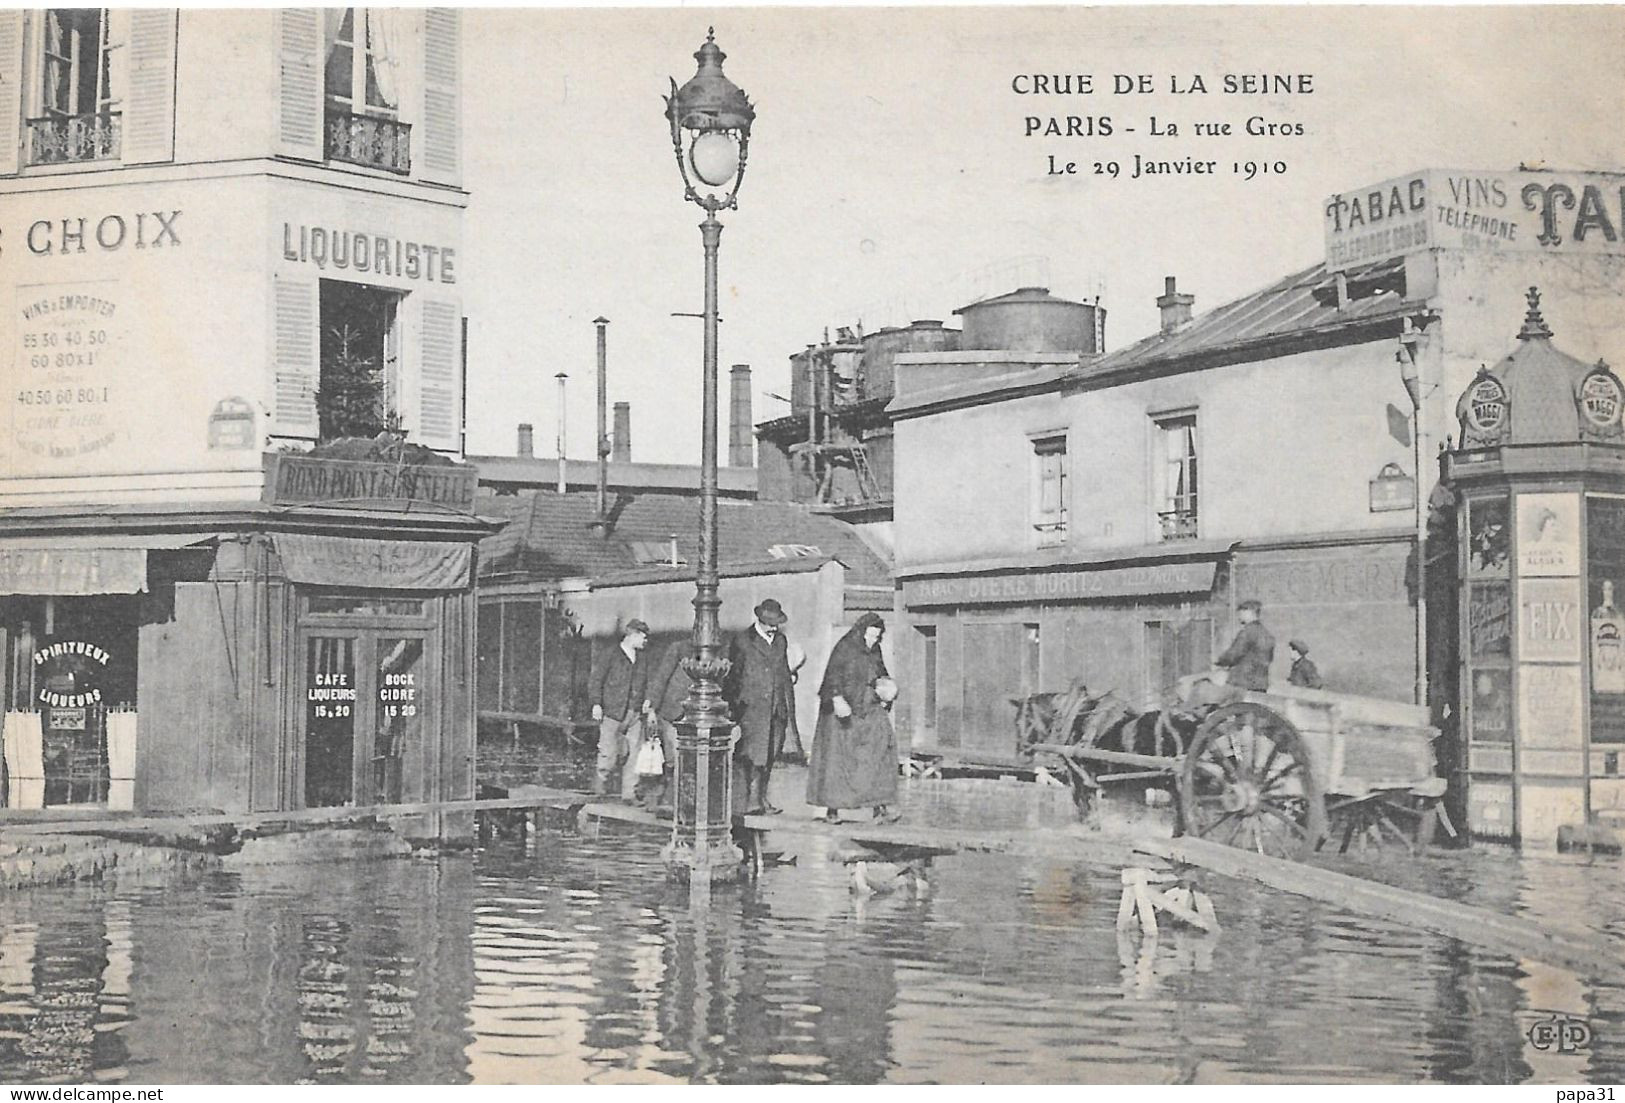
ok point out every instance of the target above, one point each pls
(229, 238)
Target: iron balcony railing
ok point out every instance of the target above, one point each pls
(369, 140)
(66, 139)
(1050, 533)
(1178, 524)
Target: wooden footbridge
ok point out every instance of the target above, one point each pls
(1587, 956)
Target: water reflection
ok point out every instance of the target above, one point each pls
(573, 959)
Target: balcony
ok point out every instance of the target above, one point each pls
(370, 140)
(69, 139)
(1178, 524)
(1051, 534)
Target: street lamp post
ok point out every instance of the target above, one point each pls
(710, 119)
(1410, 375)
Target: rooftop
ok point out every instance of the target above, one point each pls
(552, 537)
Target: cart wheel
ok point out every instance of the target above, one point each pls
(1246, 782)
(1384, 819)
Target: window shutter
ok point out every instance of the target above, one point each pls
(440, 123)
(295, 352)
(439, 373)
(11, 90)
(149, 107)
(299, 83)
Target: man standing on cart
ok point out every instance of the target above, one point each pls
(1249, 655)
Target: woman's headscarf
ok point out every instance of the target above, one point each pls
(868, 620)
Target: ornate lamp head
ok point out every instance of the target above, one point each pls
(710, 121)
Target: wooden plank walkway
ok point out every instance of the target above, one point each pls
(1586, 956)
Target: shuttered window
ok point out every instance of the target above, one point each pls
(299, 83)
(294, 346)
(149, 105)
(442, 72)
(11, 89)
(439, 373)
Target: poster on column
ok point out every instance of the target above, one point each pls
(1549, 706)
(1551, 621)
(1548, 534)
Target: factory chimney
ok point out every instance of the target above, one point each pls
(621, 450)
(741, 451)
(564, 474)
(603, 428)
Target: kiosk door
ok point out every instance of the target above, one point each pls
(363, 715)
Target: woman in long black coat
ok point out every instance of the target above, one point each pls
(854, 755)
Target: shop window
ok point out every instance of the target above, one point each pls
(362, 87)
(1176, 469)
(359, 392)
(83, 71)
(70, 664)
(1049, 489)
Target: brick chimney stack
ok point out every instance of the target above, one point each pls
(527, 440)
(1175, 307)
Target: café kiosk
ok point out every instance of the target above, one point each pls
(310, 649)
(1538, 478)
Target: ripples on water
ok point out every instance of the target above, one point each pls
(572, 959)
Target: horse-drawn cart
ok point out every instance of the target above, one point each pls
(1280, 771)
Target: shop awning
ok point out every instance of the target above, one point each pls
(362, 563)
(112, 563)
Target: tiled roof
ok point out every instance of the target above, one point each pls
(1302, 304)
(551, 537)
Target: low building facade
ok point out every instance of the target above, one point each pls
(1267, 449)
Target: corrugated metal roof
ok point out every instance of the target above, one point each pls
(552, 536)
(1298, 305)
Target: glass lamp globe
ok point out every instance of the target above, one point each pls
(714, 156)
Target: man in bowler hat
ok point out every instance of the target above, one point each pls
(760, 697)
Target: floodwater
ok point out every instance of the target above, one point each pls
(569, 957)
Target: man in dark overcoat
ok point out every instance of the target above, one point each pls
(760, 699)
(620, 696)
(1249, 655)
